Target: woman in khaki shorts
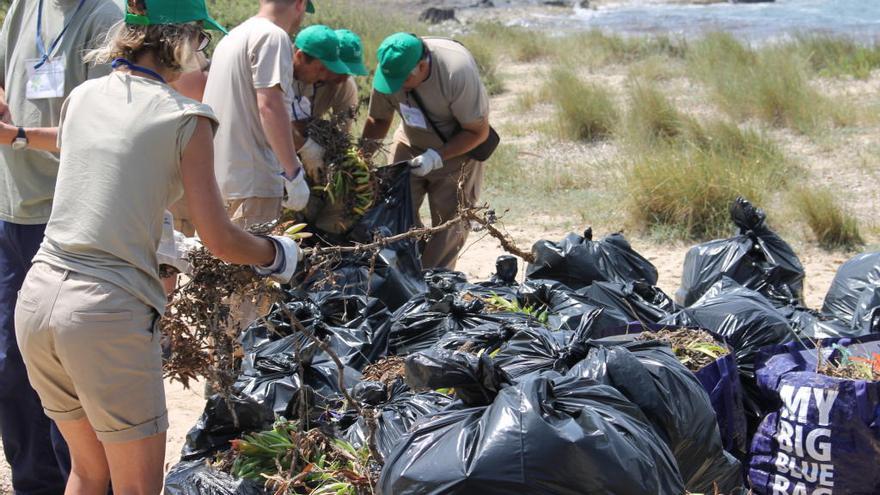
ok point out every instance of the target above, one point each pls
(86, 317)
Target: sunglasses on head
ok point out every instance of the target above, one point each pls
(204, 40)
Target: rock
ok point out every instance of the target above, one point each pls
(556, 3)
(435, 15)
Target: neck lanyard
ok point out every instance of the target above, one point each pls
(121, 62)
(311, 104)
(41, 45)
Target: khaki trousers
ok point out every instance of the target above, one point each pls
(441, 189)
(253, 211)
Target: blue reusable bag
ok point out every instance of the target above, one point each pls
(823, 435)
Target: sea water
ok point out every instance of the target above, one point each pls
(859, 19)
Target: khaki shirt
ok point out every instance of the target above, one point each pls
(27, 177)
(453, 95)
(255, 55)
(121, 137)
(317, 100)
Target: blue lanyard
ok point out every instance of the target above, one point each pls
(120, 62)
(41, 45)
(311, 102)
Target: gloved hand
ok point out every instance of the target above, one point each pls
(298, 192)
(312, 156)
(174, 248)
(287, 256)
(426, 163)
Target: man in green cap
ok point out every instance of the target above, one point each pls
(249, 89)
(434, 84)
(336, 94)
(41, 47)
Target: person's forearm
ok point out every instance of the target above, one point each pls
(279, 134)
(463, 142)
(39, 138)
(42, 138)
(5, 116)
(375, 131)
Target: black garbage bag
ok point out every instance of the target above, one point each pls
(198, 478)
(394, 276)
(476, 379)
(649, 374)
(547, 434)
(867, 317)
(815, 325)
(533, 349)
(270, 386)
(486, 338)
(566, 308)
(748, 321)
(398, 409)
(578, 261)
(638, 300)
(756, 258)
(355, 327)
(857, 275)
(422, 321)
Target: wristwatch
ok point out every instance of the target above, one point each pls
(21, 141)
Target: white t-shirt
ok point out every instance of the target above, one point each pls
(121, 137)
(255, 55)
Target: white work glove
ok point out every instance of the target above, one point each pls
(174, 248)
(312, 156)
(426, 163)
(287, 256)
(297, 192)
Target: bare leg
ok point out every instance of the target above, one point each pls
(137, 467)
(89, 474)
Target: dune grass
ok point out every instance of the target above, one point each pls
(771, 84)
(681, 175)
(597, 48)
(651, 116)
(835, 56)
(833, 225)
(584, 112)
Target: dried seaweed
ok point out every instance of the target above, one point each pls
(695, 349)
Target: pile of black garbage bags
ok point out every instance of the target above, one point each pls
(556, 394)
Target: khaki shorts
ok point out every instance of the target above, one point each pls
(92, 351)
(253, 211)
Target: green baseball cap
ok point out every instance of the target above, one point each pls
(173, 12)
(351, 52)
(310, 7)
(398, 55)
(321, 42)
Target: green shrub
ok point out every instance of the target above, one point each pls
(837, 56)
(651, 116)
(596, 48)
(771, 84)
(833, 226)
(584, 112)
(519, 44)
(685, 185)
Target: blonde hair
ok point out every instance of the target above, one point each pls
(172, 44)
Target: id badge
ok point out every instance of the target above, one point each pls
(302, 108)
(413, 117)
(47, 81)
